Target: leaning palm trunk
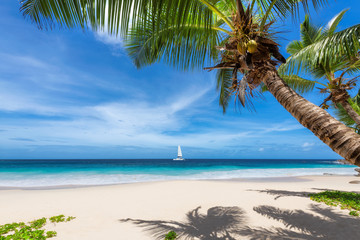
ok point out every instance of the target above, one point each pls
(336, 135)
(351, 112)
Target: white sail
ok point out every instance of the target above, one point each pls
(179, 152)
(179, 155)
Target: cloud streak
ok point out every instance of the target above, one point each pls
(60, 120)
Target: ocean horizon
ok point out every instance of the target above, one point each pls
(84, 172)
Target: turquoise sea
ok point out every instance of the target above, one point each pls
(60, 172)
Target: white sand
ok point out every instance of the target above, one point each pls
(253, 209)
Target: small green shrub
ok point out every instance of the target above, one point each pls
(346, 200)
(32, 231)
(354, 213)
(50, 234)
(57, 219)
(171, 236)
(38, 223)
(61, 218)
(70, 218)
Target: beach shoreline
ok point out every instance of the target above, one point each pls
(273, 208)
(253, 179)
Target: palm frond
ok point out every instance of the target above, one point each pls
(294, 47)
(299, 84)
(284, 8)
(114, 16)
(187, 47)
(267, 13)
(223, 85)
(211, 5)
(309, 32)
(353, 68)
(343, 116)
(69, 14)
(326, 51)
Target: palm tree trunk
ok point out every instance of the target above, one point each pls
(336, 135)
(351, 112)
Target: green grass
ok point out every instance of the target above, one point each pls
(346, 200)
(30, 231)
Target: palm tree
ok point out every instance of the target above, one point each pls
(190, 33)
(333, 75)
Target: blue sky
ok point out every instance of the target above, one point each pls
(75, 94)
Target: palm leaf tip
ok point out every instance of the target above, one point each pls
(334, 22)
(45, 13)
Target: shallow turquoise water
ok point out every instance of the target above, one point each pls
(31, 173)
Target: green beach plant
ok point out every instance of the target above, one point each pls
(346, 200)
(171, 236)
(61, 218)
(235, 36)
(33, 230)
(39, 223)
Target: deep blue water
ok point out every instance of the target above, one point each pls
(29, 173)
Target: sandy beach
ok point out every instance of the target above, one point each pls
(274, 208)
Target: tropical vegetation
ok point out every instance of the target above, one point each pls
(334, 75)
(33, 230)
(346, 200)
(235, 36)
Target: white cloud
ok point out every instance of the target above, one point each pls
(113, 41)
(107, 38)
(52, 96)
(24, 60)
(126, 123)
(132, 124)
(131, 121)
(281, 128)
(307, 146)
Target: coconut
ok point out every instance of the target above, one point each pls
(252, 46)
(241, 47)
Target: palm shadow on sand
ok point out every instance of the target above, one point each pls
(229, 223)
(219, 223)
(322, 222)
(326, 223)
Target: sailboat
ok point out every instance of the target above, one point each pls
(179, 156)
